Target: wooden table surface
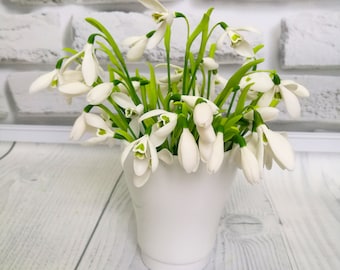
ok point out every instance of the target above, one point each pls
(66, 206)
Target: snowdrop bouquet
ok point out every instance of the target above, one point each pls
(192, 112)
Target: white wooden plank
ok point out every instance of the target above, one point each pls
(249, 236)
(308, 204)
(55, 195)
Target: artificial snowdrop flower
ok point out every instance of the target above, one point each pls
(44, 81)
(217, 154)
(238, 43)
(91, 122)
(162, 17)
(280, 149)
(137, 45)
(203, 117)
(99, 93)
(249, 165)
(145, 159)
(165, 125)
(132, 111)
(209, 63)
(289, 91)
(90, 66)
(261, 82)
(191, 101)
(188, 152)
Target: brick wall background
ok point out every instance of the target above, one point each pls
(301, 37)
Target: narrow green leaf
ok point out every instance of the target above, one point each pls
(234, 81)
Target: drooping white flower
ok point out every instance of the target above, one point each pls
(132, 111)
(44, 81)
(79, 127)
(137, 46)
(203, 115)
(280, 148)
(209, 63)
(99, 93)
(249, 165)
(90, 122)
(237, 41)
(261, 82)
(165, 125)
(191, 101)
(162, 16)
(188, 152)
(217, 155)
(90, 65)
(145, 159)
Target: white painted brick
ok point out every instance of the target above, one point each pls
(30, 38)
(123, 25)
(45, 107)
(311, 40)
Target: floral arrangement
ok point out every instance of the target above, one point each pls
(193, 112)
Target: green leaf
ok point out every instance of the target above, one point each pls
(108, 37)
(234, 82)
(242, 99)
(152, 88)
(231, 121)
(121, 134)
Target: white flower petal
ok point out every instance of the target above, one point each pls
(69, 76)
(207, 135)
(43, 82)
(89, 65)
(203, 115)
(166, 156)
(157, 36)
(136, 50)
(123, 100)
(266, 98)
(295, 88)
(99, 93)
(291, 101)
(188, 152)
(153, 156)
(217, 156)
(74, 88)
(134, 125)
(79, 128)
(127, 151)
(243, 48)
(140, 181)
(261, 82)
(250, 165)
(281, 148)
(140, 166)
(206, 149)
(153, 5)
(210, 63)
(96, 121)
(267, 113)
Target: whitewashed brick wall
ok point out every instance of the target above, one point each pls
(301, 37)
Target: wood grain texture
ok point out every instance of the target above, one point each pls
(249, 236)
(307, 202)
(54, 197)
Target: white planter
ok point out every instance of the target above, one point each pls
(177, 214)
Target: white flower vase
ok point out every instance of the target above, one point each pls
(177, 214)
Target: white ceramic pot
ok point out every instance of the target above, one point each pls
(177, 214)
